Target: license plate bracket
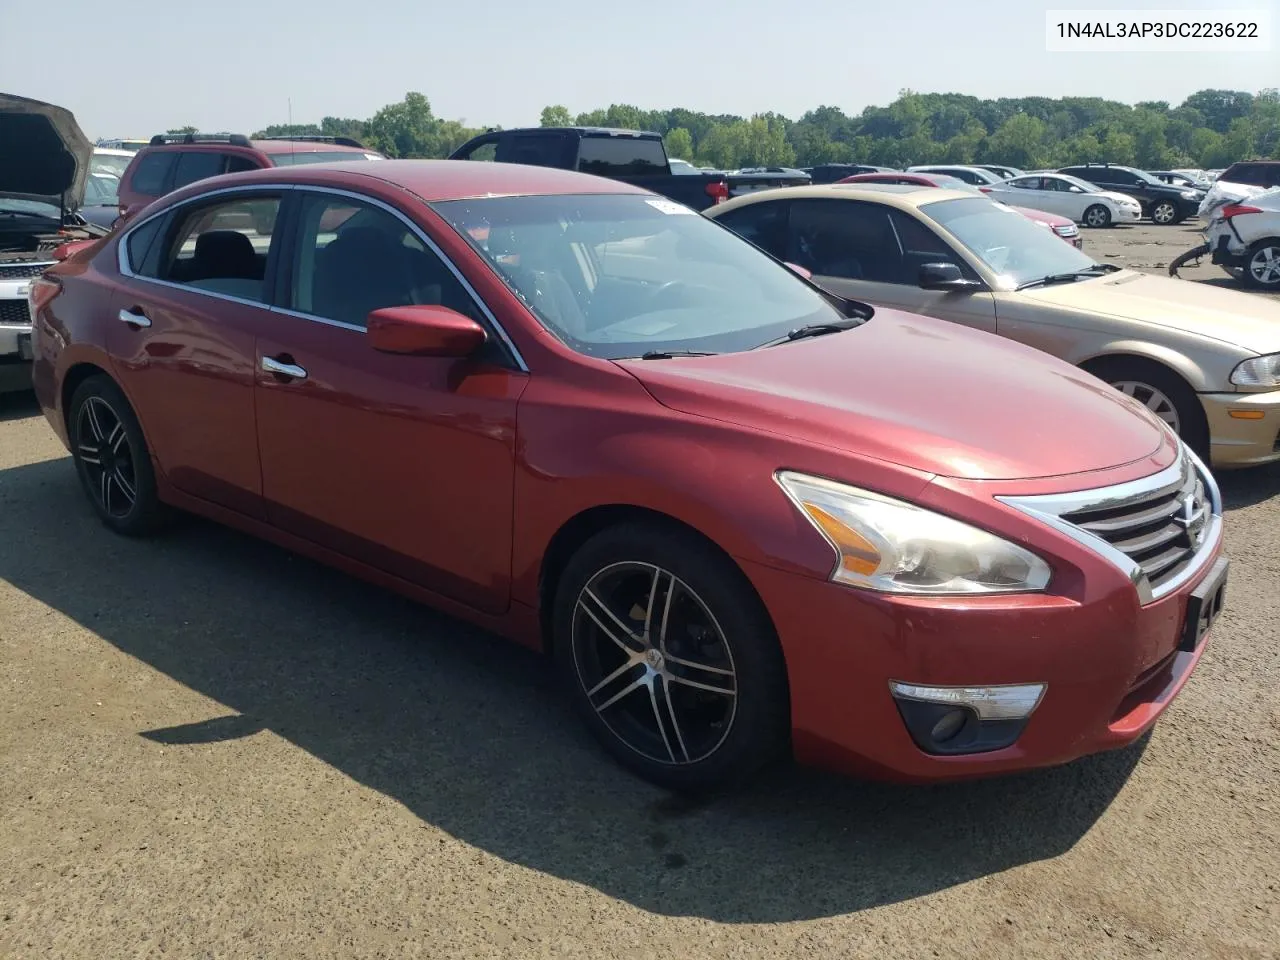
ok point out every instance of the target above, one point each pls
(1204, 605)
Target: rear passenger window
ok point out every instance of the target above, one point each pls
(140, 243)
(239, 164)
(196, 165)
(537, 150)
(621, 156)
(151, 178)
(353, 258)
(222, 248)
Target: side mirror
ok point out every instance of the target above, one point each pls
(943, 276)
(424, 331)
(807, 274)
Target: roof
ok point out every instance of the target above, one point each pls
(896, 195)
(593, 131)
(434, 180)
(306, 146)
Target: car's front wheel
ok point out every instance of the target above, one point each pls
(1097, 216)
(1164, 213)
(1262, 268)
(670, 657)
(112, 459)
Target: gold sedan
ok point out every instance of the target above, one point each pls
(1205, 360)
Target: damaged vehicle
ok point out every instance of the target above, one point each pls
(44, 163)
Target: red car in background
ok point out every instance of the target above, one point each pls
(743, 517)
(1064, 227)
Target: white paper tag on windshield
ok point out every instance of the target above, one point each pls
(668, 206)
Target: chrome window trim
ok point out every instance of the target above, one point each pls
(126, 269)
(432, 246)
(1049, 508)
(122, 245)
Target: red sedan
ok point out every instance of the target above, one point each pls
(744, 518)
(1064, 227)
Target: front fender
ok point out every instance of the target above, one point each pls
(1179, 362)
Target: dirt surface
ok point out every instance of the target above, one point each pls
(213, 749)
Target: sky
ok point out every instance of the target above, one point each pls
(131, 68)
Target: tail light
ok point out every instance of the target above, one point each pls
(985, 189)
(42, 292)
(718, 191)
(1236, 209)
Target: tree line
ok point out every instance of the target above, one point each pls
(1209, 129)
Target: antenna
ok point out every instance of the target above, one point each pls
(293, 147)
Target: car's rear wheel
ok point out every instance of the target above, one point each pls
(670, 658)
(1162, 392)
(1164, 213)
(1262, 269)
(1097, 216)
(112, 459)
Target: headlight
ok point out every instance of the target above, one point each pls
(895, 547)
(1258, 372)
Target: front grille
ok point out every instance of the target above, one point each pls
(1160, 532)
(21, 271)
(15, 312)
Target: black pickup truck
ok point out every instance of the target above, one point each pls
(628, 155)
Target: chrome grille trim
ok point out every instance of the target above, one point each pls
(23, 270)
(1132, 508)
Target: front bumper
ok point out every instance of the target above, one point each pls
(1128, 214)
(1244, 428)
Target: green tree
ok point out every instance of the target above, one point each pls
(404, 129)
(555, 116)
(290, 130)
(176, 131)
(679, 143)
(1021, 141)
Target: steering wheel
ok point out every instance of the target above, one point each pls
(663, 291)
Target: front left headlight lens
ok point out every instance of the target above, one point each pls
(1261, 371)
(896, 547)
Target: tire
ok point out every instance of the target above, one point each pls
(1147, 382)
(1262, 265)
(1165, 213)
(112, 459)
(1097, 216)
(711, 661)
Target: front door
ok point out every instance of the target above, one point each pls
(873, 252)
(404, 463)
(190, 306)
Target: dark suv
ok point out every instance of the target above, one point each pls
(173, 161)
(1255, 173)
(1163, 204)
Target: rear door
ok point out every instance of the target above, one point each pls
(194, 295)
(873, 252)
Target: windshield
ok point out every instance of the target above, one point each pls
(1084, 185)
(101, 190)
(319, 156)
(1009, 244)
(618, 276)
(110, 164)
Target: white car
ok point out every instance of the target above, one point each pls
(1068, 196)
(1246, 235)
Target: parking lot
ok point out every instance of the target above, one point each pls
(213, 748)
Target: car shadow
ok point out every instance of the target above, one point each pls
(1248, 486)
(470, 734)
(16, 404)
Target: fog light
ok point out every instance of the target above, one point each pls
(957, 720)
(950, 724)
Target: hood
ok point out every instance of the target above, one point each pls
(922, 393)
(1118, 197)
(43, 153)
(1230, 316)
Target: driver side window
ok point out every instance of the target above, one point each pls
(848, 239)
(353, 258)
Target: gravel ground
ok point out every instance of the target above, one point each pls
(211, 748)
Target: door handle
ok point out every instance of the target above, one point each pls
(134, 319)
(283, 368)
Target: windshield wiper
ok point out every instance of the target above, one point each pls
(816, 330)
(28, 213)
(668, 354)
(1072, 277)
